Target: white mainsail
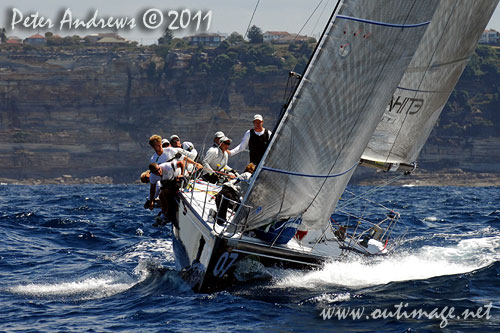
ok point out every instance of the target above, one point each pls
(353, 73)
(429, 80)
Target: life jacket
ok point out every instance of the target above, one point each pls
(258, 145)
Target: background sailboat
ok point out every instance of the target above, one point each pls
(429, 80)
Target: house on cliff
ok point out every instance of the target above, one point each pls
(92, 38)
(283, 37)
(35, 40)
(206, 39)
(14, 40)
(111, 41)
(291, 38)
(489, 37)
(270, 36)
(105, 39)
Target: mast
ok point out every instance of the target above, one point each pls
(359, 60)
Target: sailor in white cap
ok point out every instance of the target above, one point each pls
(217, 136)
(216, 161)
(256, 139)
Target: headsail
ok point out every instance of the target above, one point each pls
(354, 70)
(428, 82)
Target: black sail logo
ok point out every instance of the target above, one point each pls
(407, 105)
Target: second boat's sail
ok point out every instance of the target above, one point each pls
(352, 75)
(429, 80)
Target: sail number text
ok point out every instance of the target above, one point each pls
(225, 261)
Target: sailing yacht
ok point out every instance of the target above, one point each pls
(405, 54)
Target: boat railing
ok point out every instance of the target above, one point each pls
(363, 230)
(225, 227)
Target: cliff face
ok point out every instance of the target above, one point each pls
(469, 154)
(90, 112)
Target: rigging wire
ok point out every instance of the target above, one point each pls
(304, 25)
(444, 30)
(287, 96)
(251, 19)
(376, 188)
(209, 127)
(319, 18)
(359, 115)
(368, 200)
(318, 45)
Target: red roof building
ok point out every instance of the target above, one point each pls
(14, 40)
(36, 39)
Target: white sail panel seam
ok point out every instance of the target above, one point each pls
(452, 12)
(385, 24)
(291, 173)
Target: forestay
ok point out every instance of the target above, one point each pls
(428, 82)
(355, 69)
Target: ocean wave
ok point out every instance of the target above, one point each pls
(104, 285)
(465, 256)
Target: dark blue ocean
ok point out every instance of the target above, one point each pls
(86, 258)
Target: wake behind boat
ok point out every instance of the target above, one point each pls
(369, 52)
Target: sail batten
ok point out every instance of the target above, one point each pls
(386, 24)
(429, 80)
(291, 173)
(335, 110)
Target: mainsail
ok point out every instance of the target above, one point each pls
(355, 69)
(429, 80)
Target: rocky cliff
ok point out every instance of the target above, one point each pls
(89, 112)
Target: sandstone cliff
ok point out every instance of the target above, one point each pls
(89, 112)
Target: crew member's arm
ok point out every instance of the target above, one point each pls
(152, 192)
(190, 161)
(180, 165)
(209, 157)
(154, 181)
(191, 154)
(242, 146)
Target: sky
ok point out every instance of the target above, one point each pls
(226, 16)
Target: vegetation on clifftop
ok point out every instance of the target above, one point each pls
(234, 58)
(473, 108)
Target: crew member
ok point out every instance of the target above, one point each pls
(170, 174)
(216, 161)
(217, 136)
(256, 139)
(159, 157)
(230, 193)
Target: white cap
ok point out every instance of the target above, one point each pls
(224, 139)
(163, 141)
(174, 137)
(258, 117)
(219, 134)
(186, 145)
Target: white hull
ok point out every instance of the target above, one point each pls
(207, 256)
